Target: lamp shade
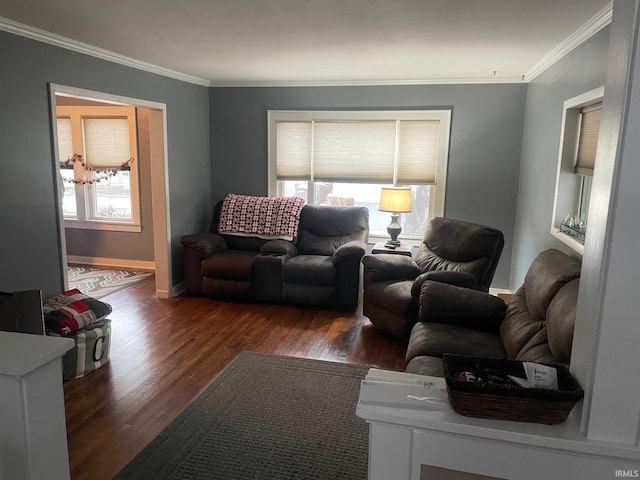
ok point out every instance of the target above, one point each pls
(395, 200)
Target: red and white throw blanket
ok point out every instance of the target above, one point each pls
(263, 217)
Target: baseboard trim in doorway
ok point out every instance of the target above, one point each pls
(112, 263)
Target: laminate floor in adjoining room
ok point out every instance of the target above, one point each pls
(165, 352)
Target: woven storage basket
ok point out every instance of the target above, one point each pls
(507, 401)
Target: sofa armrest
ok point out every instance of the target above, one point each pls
(463, 307)
(459, 279)
(281, 247)
(354, 249)
(205, 244)
(387, 266)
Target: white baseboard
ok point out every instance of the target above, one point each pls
(112, 263)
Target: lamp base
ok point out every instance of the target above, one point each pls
(394, 229)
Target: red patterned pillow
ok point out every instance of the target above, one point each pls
(72, 310)
(263, 217)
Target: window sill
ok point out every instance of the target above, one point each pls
(568, 240)
(414, 240)
(104, 226)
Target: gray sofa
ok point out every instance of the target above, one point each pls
(320, 267)
(536, 325)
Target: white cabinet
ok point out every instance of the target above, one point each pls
(33, 433)
(405, 436)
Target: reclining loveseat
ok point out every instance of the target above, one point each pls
(320, 266)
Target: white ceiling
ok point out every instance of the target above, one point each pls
(323, 42)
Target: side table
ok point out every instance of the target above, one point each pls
(402, 249)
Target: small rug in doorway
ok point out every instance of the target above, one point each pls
(98, 283)
(265, 417)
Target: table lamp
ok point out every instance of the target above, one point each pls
(396, 201)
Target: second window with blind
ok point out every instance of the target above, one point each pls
(576, 165)
(346, 157)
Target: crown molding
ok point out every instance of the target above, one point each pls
(361, 83)
(70, 44)
(593, 26)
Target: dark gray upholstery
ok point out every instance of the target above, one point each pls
(320, 267)
(327, 271)
(452, 251)
(459, 246)
(471, 322)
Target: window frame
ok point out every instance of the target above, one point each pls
(569, 188)
(438, 193)
(85, 193)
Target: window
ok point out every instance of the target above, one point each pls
(346, 157)
(97, 149)
(576, 164)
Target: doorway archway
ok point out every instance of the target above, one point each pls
(158, 170)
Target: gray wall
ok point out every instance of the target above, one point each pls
(29, 246)
(484, 157)
(581, 70)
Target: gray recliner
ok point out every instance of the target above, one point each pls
(536, 325)
(452, 251)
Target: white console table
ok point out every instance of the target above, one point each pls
(405, 435)
(33, 433)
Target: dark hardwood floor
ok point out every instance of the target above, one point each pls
(165, 352)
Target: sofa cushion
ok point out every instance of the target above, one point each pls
(453, 305)
(460, 246)
(561, 318)
(517, 328)
(434, 339)
(323, 229)
(251, 244)
(309, 270)
(231, 265)
(548, 273)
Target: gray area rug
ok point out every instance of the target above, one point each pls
(265, 417)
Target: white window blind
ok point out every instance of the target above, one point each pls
(588, 139)
(293, 150)
(417, 152)
(65, 145)
(106, 141)
(370, 151)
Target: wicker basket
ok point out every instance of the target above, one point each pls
(507, 401)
